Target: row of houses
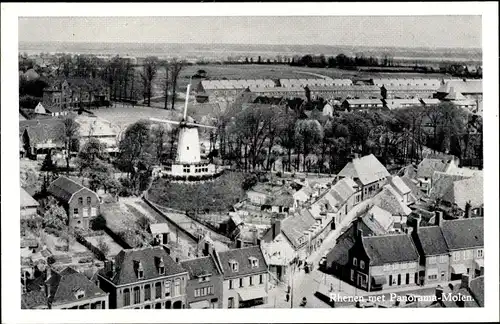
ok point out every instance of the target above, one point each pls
(374, 258)
(148, 278)
(69, 93)
(40, 136)
(339, 89)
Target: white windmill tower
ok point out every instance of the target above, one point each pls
(188, 161)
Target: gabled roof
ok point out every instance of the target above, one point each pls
(468, 86)
(431, 240)
(64, 188)
(442, 182)
(27, 200)
(379, 221)
(467, 190)
(200, 267)
(293, 227)
(68, 282)
(464, 233)
(426, 167)
(42, 130)
(454, 95)
(125, 262)
(389, 249)
(344, 188)
(389, 200)
(34, 299)
(367, 169)
(398, 184)
(242, 256)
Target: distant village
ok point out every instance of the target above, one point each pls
(261, 193)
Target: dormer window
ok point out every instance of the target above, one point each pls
(139, 269)
(234, 265)
(79, 293)
(160, 265)
(254, 262)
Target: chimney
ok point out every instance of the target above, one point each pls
(408, 230)
(359, 235)
(467, 210)
(438, 217)
(276, 227)
(465, 281)
(416, 223)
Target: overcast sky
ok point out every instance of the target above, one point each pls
(405, 31)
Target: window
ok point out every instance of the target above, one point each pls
(251, 280)
(241, 282)
(407, 278)
(456, 256)
(126, 297)
(261, 279)
(137, 295)
(442, 258)
(177, 287)
(161, 270)
(75, 212)
(80, 294)
(231, 284)
(80, 201)
(230, 302)
(200, 292)
(93, 211)
(204, 279)
(432, 277)
(85, 212)
(158, 290)
(89, 200)
(362, 264)
(352, 275)
(432, 260)
(480, 253)
(147, 292)
(234, 266)
(167, 288)
(354, 261)
(140, 274)
(390, 280)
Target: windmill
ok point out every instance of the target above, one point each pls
(188, 161)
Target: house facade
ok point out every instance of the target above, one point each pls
(245, 276)
(368, 173)
(386, 261)
(144, 278)
(205, 285)
(81, 204)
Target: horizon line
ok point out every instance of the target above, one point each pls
(257, 44)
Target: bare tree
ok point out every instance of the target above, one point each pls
(166, 84)
(176, 67)
(69, 132)
(149, 71)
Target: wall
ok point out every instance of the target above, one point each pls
(228, 293)
(468, 263)
(411, 268)
(81, 221)
(215, 281)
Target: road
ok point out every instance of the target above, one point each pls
(305, 285)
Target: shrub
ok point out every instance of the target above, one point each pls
(51, 260)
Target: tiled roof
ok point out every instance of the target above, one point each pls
(431, 240)
(344, 188)
(426, 167)
(367, 169)
(390, 249)
(351, 87)
(415, 87)
(407, 82)
(464, 233)
(34, 299)
(442, 182)
(379, 221)
(454, 95)
(469, 86)
(398, 184)
(242, 256)
(64, 188)
(467, 190)
(476, 287)
(68, 283)
(364, 101)
(43, 130)
(389, 200)
(125, 263)
(293, 227)
(27, 200)
(200, 267)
